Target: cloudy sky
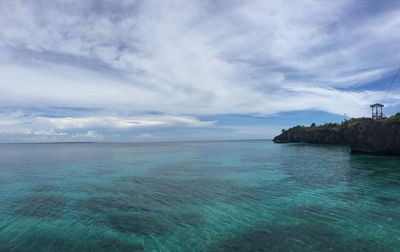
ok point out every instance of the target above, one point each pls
(129, 70)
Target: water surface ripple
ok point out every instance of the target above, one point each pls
(197, 196)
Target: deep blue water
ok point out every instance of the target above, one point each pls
(197, 196)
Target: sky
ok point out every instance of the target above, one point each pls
(160, 70)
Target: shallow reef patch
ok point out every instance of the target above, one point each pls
(137, 224)
(39, 206)
(301, 237)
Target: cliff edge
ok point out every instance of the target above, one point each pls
(380, 136)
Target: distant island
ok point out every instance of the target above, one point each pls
(378, 136)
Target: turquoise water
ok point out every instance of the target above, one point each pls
(197, 196)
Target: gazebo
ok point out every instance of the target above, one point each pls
(377, 111)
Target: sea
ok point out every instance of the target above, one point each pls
(197, 196)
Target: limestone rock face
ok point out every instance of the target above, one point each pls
(362, 135)
(319, 136)
(375, 136)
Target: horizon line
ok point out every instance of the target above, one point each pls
(132, 142)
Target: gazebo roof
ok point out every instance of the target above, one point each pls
(376, 105)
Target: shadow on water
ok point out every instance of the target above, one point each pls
(377, 177)
(375, 161)
(324, 165)
(378, 169)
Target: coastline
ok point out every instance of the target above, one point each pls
(363, 135)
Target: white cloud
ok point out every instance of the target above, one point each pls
(90, 135)
(196, 57)
(146, 136)
(17, 125)
(119, 123)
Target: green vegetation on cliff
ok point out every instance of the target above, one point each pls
(362, 134)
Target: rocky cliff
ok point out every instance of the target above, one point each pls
(381, 136)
